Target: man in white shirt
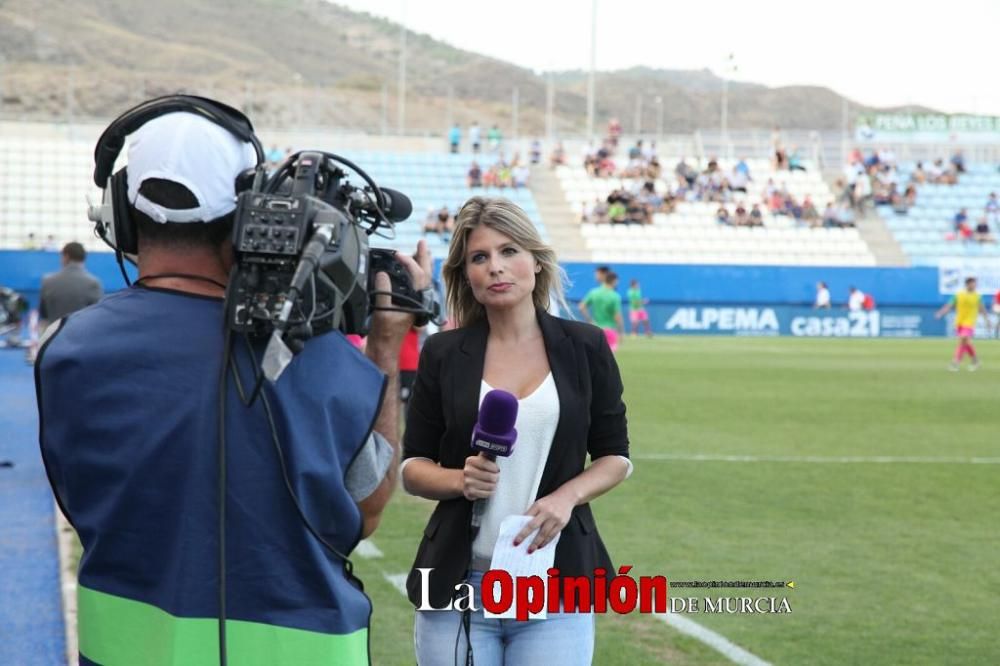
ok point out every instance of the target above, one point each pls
(856, 300)
(822, 296)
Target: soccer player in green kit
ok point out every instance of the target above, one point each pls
(602, 306)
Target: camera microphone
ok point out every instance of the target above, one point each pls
(396, 205)
(493, 435)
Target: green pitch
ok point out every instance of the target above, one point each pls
(894, 562)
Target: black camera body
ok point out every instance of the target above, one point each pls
(303, 262)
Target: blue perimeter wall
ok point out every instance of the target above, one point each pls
(683, 299)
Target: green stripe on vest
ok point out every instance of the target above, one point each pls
(117, 631)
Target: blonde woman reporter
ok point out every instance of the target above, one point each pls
(499, 278)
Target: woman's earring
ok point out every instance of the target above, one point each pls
(538, 269)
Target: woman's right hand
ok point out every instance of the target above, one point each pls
(479, 477)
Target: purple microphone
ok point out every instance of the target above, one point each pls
(494, 435)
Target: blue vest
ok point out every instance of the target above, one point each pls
(128, 405)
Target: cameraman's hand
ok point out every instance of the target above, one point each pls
(388, 327)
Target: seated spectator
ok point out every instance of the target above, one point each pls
(845, 217)
(685, 172)
(635, 152)
(983, 234)
(958, 161)
(504, 174)
(649, 152)
(440, 223)
(910, 196)
(795, 161)
(756, 216)
(722, 216)
(779, 162)
(598, 213)
(776, 203)
(491, 178)
(739, 179)
(809, 213)
(992, 208)
(963, 232)
(519, 175)
(961, 218)
(535, 153)
(653, 169)
(740, 217)
(617, 212)
(635, 212)
(558, 156)
(475, 176)
(919, 176)
(649, 197)
(830, 216)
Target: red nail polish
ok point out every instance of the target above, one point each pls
(516, 542)
(531, 550)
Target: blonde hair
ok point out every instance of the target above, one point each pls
(507, 218)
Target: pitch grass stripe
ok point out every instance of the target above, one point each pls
(931, 460)
(368, 550)
(717, 642)
(398, 581)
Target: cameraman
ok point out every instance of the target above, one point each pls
(132, 431)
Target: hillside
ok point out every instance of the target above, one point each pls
(313, 63)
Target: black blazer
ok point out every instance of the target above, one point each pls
(442, 412)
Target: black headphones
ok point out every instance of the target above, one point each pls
(112, 221)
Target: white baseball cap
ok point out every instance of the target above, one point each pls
(192, 151)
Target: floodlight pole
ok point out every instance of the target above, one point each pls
(593, 65)
(401, 112)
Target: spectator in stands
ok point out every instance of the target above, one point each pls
(822, 297)
(274, 157)
(69, 290)
(756, 216)
(958, 161)
(617, 211)
(919, 176)
(809, 213)
(983, 233)
(519, 175)
(855, 299)
(739, 178)
(614, 132)
(722, 216)
(535, 153)
(442, 224)
(992, 208)
(494, 138)
(635, 212)
(845, 217)
(830, 216)
(795, 160)
(598, 213)
(649, 152)
(454, 137)
(475, 176)
(558, 156)
(475, 136)
(51, 244)
(740, 216)
(30, 242)
(961, 218)
(685, 172)
(779, 160)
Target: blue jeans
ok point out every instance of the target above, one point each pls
(562, 639)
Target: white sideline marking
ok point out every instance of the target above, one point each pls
(700, 457)
(398, 581)
(717, 642)
(368, 550)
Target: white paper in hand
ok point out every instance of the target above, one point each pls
(516, 561)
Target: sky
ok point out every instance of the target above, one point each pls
(878, 52)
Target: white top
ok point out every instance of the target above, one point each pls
(521, 472)
(856, 301)
(822, 297)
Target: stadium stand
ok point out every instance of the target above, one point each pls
(691, 233)
(926, 231)
(46, 184)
